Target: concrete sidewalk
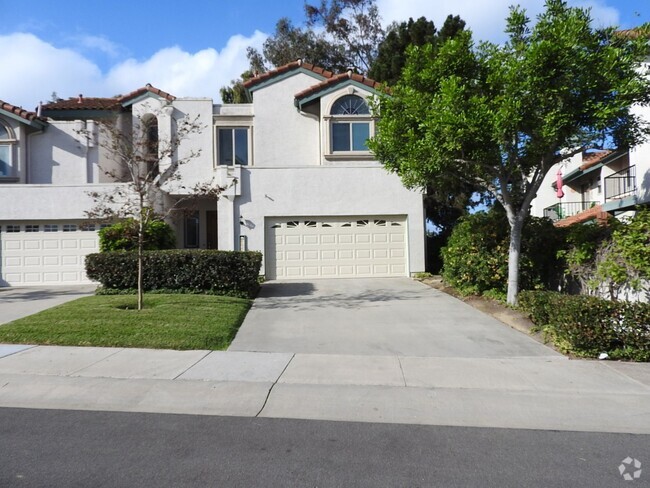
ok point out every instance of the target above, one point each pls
(550, 393)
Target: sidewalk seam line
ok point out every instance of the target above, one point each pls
(273, 385)
(71, 373)
(620, 373)
(18, 352)
(401, 368)
(193, 364)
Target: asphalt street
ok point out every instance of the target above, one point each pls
(54, 448)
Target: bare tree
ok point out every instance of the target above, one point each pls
(147, 166)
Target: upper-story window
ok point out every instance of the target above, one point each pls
(351, 124)
(7, 141)
(232, 146)
(150, 129)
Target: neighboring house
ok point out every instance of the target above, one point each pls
(597, 184)
(301, 185)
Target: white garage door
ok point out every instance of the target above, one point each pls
(49, 253)
(333, 247)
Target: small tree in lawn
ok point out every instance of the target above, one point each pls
(148, 167)
(500, 116)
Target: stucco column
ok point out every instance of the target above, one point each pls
(165, 133)
(226, 218)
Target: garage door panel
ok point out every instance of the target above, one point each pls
(33, 257)
(31, 244)
(32, 261)
(335, 247)
(12, 245)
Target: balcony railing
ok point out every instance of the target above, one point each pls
(621, 184)
(561, 211)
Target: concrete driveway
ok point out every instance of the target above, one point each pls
(377, 317)
(19, 302)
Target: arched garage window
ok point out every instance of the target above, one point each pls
(351, 124)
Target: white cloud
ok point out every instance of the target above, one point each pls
(33, 69)
(186, 74)
(486, 19)
(101, 44)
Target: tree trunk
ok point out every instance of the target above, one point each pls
(140, 247)
(516, 227)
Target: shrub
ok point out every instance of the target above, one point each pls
(476, 256)
(123, 236)
(197, 271)
(587, 325)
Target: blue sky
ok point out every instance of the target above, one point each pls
(102, 47)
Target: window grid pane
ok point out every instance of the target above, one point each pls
(192, 231)
(241, 146)
(5, 160)
(225, 147)
(360, 134)
(340, 136)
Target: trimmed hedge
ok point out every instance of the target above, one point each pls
(230, 273)
(587, 325)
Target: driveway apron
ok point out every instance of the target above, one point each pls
(16, 303)
(387, 316)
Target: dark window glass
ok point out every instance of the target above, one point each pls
(241, 146)
(360, 134)
(340, 136)
(192, 230)
(225, 147)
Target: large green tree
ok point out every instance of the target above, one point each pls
(353, 24)
(338, 35)
(500, 116)
(391, 54)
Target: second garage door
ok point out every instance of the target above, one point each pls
(333, 247)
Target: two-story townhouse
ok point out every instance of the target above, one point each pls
(301, 185)
(597, 184)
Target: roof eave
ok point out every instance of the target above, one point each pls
(283, 76)
(301, 101)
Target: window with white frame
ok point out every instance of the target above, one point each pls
(192, 230)
(350, 125)
(232, 146)
(7, 141)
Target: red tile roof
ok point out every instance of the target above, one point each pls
(84, 103)
(592, 159)
(634, 33)
(592, 213)
(336, 79)
(147, 88)
(112, 103)
(19, 111)
(283, 69)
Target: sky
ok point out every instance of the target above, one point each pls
(190, 49)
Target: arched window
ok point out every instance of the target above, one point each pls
(351, 124)
(150, 132)
(7, 141)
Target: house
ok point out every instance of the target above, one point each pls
(598, 184)
(301, 185)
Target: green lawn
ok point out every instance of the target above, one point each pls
(167, 322)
